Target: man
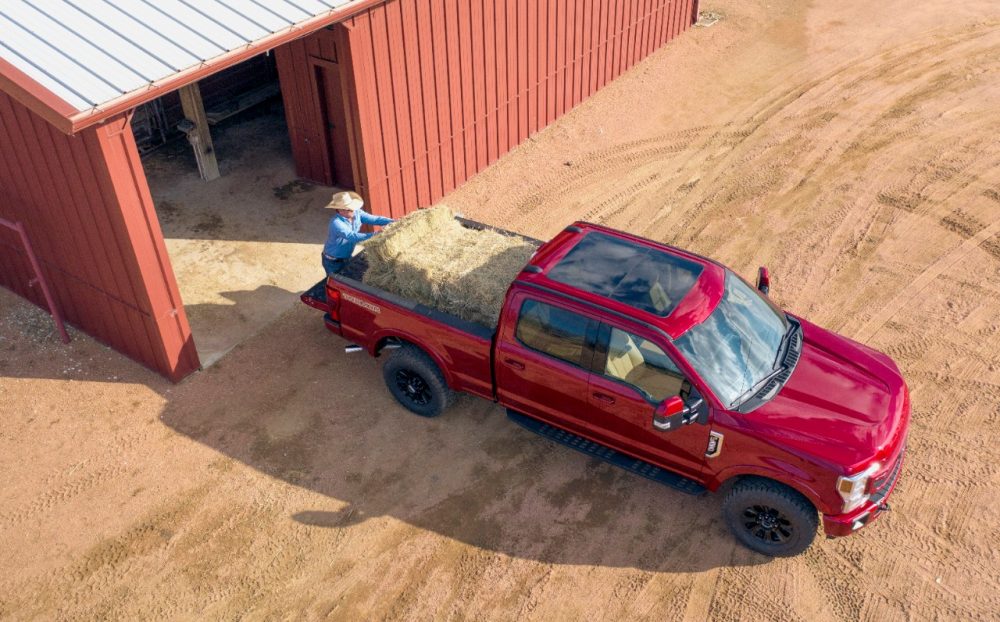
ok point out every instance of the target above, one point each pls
(345, 229)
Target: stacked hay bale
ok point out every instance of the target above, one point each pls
(428, 256)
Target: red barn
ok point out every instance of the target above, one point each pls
(402, 100)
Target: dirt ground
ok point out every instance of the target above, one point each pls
(243, 244)
(850, 146)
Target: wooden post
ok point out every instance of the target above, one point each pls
(199, 136)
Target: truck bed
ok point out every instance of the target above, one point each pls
(369, 316)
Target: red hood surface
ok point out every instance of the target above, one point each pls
(843, 404)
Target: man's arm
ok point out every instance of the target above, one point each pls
(369, 219)
(344, 231)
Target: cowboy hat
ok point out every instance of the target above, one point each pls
(346, 200)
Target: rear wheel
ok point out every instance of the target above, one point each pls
(416, 382)
(770, 518)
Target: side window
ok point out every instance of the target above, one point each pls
(642, 364)
(553, 331)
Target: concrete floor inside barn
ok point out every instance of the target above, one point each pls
(245, 245)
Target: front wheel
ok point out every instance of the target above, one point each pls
(770, 518)
(416, 382)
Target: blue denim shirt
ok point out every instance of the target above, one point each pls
(343, 234)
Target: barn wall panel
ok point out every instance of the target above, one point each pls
(370, 128)
(87, 209)
(442, 88)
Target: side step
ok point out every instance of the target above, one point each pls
(634, 465)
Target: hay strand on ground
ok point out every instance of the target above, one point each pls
(429, 257)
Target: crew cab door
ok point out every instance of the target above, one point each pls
(543, 356)
(631, 375)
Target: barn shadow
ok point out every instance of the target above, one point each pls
(291, 404)
(297, 407)
(220, 327)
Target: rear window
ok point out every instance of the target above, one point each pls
(641, 277)
(553, 331)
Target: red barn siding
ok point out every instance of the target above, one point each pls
(442, 88)
(434, 91)
(88, 212)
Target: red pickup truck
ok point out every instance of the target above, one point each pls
(666, 364)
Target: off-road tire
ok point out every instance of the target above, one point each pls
(416, 382)
(769, 517)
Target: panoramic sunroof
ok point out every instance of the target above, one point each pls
(636, 275)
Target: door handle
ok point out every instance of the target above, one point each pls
(601, 397)
(514, 364)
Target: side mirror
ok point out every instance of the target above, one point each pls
(763, 280)
(669, 414)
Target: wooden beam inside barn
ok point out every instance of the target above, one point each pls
(199, 136)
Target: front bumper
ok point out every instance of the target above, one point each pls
(845, 524)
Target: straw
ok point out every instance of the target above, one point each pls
(429, 257)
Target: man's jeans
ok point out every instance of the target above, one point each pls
(333, 265)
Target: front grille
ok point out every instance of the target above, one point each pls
(883, 484)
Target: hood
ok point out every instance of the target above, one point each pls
(843, 404)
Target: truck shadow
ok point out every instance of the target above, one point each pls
(327, 424)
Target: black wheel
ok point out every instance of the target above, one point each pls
(416, 382)
(770, 518)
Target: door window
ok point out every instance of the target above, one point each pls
(553, 331)
(643, 364)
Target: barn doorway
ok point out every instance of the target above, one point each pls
(244, 245)
(321, 100)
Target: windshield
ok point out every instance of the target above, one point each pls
(736, 347)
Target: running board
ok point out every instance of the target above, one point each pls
(633, 465)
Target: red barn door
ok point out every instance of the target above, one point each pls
(333, 115)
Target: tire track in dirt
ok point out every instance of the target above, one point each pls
(700, 595)
(726, 172)
(62, 485)
(587, 180)
(932, 272)
(862, 253)
(829, 178)
(912, 349)
(66, 491)
(842, 224)
(101, 573)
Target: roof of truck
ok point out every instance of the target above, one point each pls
(658, 284)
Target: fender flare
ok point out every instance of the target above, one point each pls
(736, 472)
(380, 337)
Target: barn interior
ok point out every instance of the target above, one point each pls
(245, 244)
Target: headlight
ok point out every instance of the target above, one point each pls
(852, 489)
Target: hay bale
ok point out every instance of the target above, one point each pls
(428, 256)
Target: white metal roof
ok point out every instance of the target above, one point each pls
(90, 52)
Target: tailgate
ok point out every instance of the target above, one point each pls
(315, 296)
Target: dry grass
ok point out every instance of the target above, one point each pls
(430, 257)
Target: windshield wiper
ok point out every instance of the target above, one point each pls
(779, 357)
(779, 365)
(760, 384)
